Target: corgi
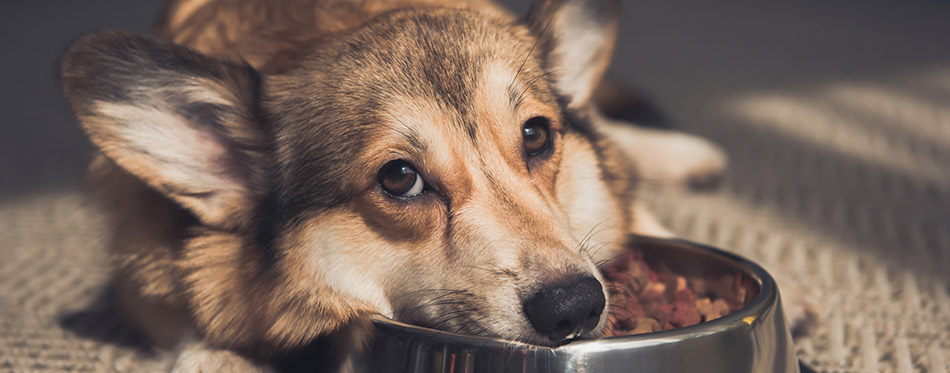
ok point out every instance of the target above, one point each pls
(276, 171)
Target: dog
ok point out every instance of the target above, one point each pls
(276, 171)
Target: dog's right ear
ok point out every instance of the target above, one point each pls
(184, 123)
(576, 40)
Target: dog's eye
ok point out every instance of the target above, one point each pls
(400, 179)
(537, 136)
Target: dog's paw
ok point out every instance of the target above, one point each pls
(645, 223)
(674, 157)
(669, 157)
(802, 307)
(195, 356)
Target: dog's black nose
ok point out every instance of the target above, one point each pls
(559, 311)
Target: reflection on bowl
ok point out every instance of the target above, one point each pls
(752, 339)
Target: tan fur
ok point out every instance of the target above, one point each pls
(244, 195)
(267, 33)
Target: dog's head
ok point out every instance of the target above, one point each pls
(433, 165)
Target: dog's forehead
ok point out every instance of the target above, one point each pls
(331, 109)
(437, 55)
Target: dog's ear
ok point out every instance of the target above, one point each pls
(184, 123)
(576, 39)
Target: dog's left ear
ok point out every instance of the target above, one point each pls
(576, 39)
(184, 123)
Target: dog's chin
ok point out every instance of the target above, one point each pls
(534, 338)
(516, 333)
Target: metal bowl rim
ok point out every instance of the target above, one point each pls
(747, 315)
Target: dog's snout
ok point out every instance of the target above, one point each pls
(561, 310)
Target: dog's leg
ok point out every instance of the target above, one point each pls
(666, 156)
(162, 323)
(801, 305)
(646, 224)
(196, 356)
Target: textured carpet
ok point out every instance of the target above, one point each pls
(836, 117)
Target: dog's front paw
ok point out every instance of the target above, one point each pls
(801, 306)
(684, 159)
(668, 157)
(196, 356)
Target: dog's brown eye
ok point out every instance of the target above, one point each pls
(400, 179)
(537, 135)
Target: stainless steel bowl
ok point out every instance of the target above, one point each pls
(754, 339)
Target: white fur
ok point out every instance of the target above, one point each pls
(195, 356)
(645, 223)
(581, 39)
(332, 256)
(665, 156)
(592, 216)
(177, 153)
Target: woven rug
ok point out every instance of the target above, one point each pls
(836, 118)
(835, 115)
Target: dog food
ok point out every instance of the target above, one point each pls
(648, 298)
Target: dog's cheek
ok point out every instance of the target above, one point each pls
(597, 212)
(340, 251)
(217, 298)
(239, 304)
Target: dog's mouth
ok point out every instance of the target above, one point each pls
(476, 327)
(553, 315)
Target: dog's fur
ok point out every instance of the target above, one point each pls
(239, 152)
